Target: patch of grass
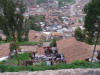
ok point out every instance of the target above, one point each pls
(22, 57)
(29, 43)
(7, 68)
(2, 42)
(42, 67)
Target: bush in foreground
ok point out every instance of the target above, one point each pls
(76, 64)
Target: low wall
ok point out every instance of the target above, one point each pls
(58, 72)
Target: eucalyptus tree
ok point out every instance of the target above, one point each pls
(92, 22)
(12, 21)
(12, 11)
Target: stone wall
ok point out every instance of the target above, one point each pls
(58, 72)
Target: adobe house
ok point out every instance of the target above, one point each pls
(74, 50)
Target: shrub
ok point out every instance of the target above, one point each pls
(42, 66)
(53, 43)
(0, 38)
(3, 68)
(9, 39)
(7, 68)
(22, 57)
(81, 64)
(1, 42)
(79, 35)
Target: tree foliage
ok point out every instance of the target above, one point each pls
(26, 29)
(92, 22)
(12, 18)
(79, 35)
(13, 46)
(36, 19)
(92, 19)
(53, 43)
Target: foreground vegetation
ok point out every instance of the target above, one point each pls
(42, 67)
(2, 42)
(11, 65)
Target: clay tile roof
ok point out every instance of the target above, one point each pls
(73, 49)
(4, 50)
(25, 48)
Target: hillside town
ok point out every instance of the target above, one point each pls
(55, 42)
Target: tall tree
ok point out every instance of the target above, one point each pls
(26, 29)
(92, 22)
(12, 11)
(12, 21)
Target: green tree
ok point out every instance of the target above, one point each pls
(0, 38)
(36, 19)
(79, 35)
(92, 21)
(27, 28)
(12, 13)
(53, 43)
(60, 18)
(14, 46)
